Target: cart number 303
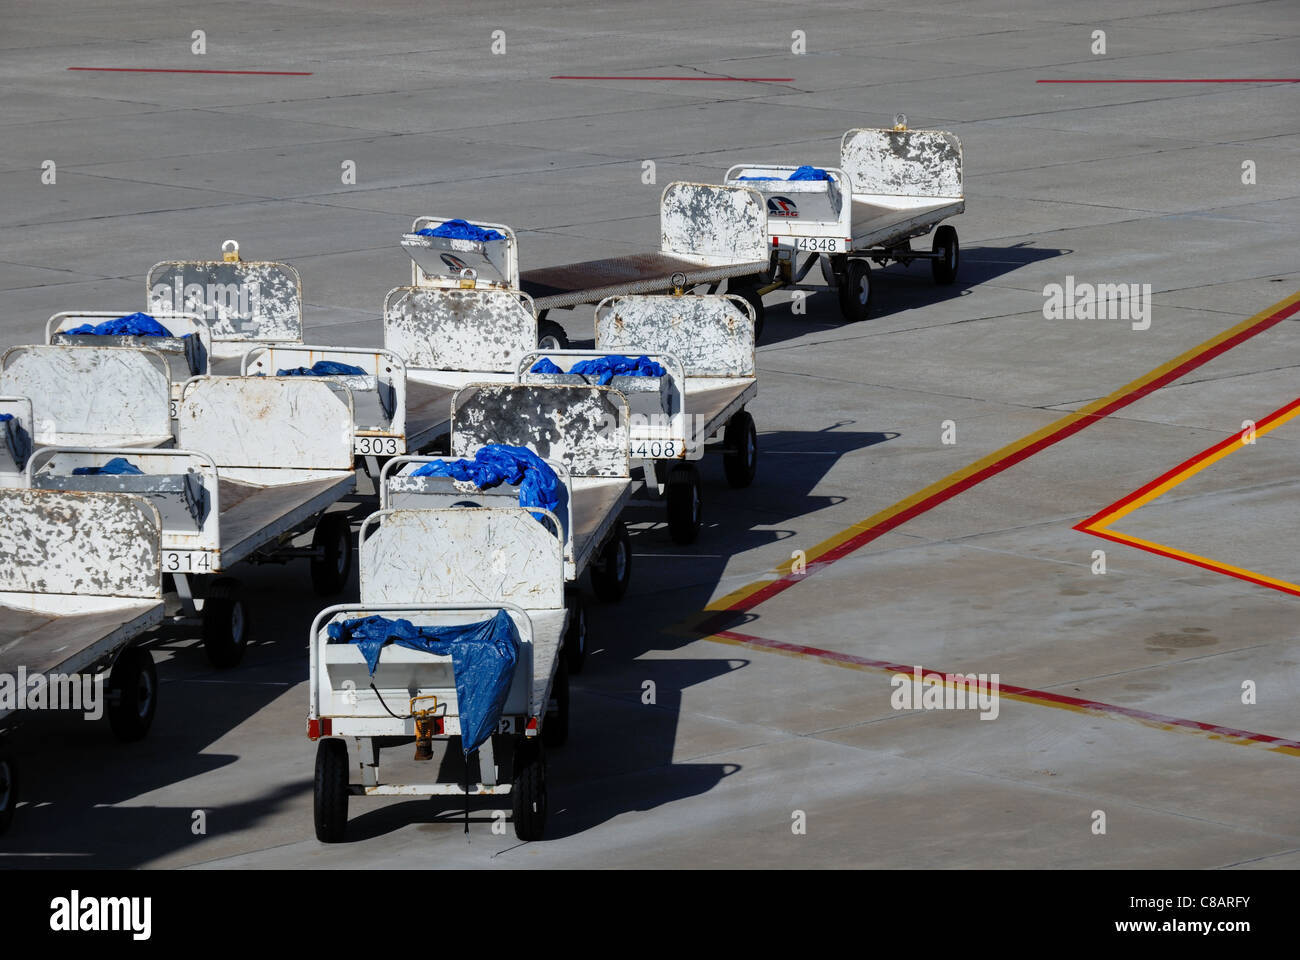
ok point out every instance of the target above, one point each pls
(376, 446)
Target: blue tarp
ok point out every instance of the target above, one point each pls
(606, 369)
(805, 172)
(6, 416)
(135, 324)
(462, 230)
(545, 365)
(483, 658)
(115, 467)
(323, 368)
(809, 173)
(498, 463)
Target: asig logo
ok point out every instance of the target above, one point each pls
(781, 207)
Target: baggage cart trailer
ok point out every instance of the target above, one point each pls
(80, 583)
(891, 185)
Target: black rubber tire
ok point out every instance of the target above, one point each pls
(740, 461)
(330, 800)
(132, 694)
(747, 289)
(555, 725)
(611, 574)
(528, 791)
(856, 293)
(8, 790)
(685, 503)
(333, 537)
(551, 336)
(225, 624)
(575, 637)
(944, 269)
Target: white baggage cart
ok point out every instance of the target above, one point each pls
(80, 582)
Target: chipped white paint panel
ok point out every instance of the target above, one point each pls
(460, 555)
(242, 301)
(583, 427)
(86, 393)
(716, 225)
(454, 329)
(268, 422)
(919, 163)
(712, 335)
(437, 261)
(95, 544)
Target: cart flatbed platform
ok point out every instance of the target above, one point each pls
(591, 281)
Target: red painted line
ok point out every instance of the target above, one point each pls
(242, 73)
(1195, 80)
(691, 79)
(1055, 699)
(1193, 561)
(780, 585)
(1185, 465)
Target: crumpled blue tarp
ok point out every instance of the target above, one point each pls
(497, 463)
(462, 230)
(115, 467)
(806, 172)
(606, 369)
(483, 658)
(323, 368)
(6, 416)
(545, 365)
(134, 325)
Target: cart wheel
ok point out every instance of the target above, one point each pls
(741, 459)
(575, 637)
(747, 290)
(855, 292)
(8, 790)
(555, 725)
(610, 575)
(944, 267)
(330, 803)
(684, 503)
(551, 336)
(333, 538)
(528, 792)
(132, 694)
(225, 625)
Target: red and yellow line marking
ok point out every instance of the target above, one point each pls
(1101, 523)
(847, 541)
(1042, 698)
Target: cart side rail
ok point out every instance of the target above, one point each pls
(713, 225)
(243, 301)
(584, 427)
(274, 425)
(913, 163)
(183, 486)
(470, 330)
(59, 543)
(379, 396)
(180, 325)
(79, 394)
(713, 335)
(462, 555)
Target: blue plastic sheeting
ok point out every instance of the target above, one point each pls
(462, 230)
(483, 657)
(758, 178)
(115, 467)
(545, 365)
(498, 463)
(6, 416)
(809, 173)
(323, 368)
(606, 369)
(133, 325)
